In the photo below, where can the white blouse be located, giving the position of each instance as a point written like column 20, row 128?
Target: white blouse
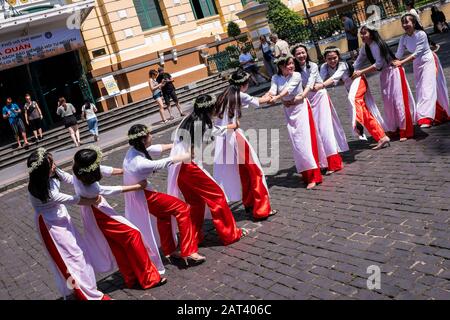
column 380, row 62
column 339, row 73
column 417, row 44
column 248, row 100
column 293, row 84
column 95, row 189
column 54, row 208
column 311, row 75
column 137, row 167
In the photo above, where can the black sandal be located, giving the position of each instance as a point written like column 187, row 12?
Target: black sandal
column 271, row 213
column 161, row 282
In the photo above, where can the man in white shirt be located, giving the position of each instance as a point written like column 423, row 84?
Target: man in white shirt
column 248, row 64
column 281, row 47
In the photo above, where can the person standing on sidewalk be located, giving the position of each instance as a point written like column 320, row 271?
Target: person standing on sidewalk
column 266, row 49
column 11, row 111
column 351, row 33
column 88, row 111
column 156, row 87
column 168, row 90
column 281, row 47
column 33, row 117
column 67, row 111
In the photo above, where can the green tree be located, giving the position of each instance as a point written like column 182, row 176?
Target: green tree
column 233, row 30
column 288, row 24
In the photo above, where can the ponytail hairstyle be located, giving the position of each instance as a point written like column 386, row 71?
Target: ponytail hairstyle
column 86, row 165
column 338, row 52
column 385, row 51
column 413, row 18
column 308, row 59
column 203, row 111
column 230, row 98
column 39, row 165
column 136, row 136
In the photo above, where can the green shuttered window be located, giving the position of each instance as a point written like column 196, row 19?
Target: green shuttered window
column 203, row 8
column 149, row 14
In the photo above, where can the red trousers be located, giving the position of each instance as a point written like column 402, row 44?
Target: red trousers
column 254, row 192
column 440, row 117
column 313, row 175
column 199, row 190
column 163, row 207
column 363, row 115
column 335, row 162
column 129, row 250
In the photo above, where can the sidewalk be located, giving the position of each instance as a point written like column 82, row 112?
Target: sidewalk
column 16, row 175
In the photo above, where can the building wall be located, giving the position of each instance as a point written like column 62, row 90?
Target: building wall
column 113, row 26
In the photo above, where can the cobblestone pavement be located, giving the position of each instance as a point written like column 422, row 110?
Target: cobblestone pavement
column 388, row 208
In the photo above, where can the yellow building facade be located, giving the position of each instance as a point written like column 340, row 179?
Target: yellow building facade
column 111, row 39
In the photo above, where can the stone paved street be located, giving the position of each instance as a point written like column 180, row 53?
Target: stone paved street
column 388, row 208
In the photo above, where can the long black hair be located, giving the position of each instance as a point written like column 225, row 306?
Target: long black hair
column 414, row 20
column 39, row 183
column 138, row 143
column 203, row 112
column 230, row 98
column 338, row 52
column 308, row 59
column 385, row 51
column 87, row 104
column 83, row 159
column 283, row 62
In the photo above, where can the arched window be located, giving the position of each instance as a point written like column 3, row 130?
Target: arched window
column 149, row 14
column 203, row 8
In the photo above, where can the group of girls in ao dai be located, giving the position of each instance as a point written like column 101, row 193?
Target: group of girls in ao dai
column 398, row 100
column 190, row 180
column 328, row 125
column 236, row 165
column 112, row 239
column 306, row 146
column 431, row 86
column 362, row 107
column 143, row 206
column 65, row 247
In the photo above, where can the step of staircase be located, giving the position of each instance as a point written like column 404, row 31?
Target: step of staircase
column 58, row 138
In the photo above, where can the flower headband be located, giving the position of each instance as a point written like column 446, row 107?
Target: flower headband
column 328, row 50
column 370, row 26
column 239, row 81
column 407, row 14
column 96, row 163
column 205, row 104
column 298, row 45
column 283, row 58
column 143, row 133
column 40, row 158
